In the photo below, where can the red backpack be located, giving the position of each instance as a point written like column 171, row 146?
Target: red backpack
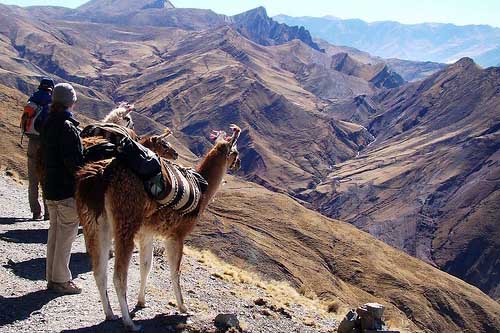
column 30, row 114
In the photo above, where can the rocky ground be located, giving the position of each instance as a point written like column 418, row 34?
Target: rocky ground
column 209, row 288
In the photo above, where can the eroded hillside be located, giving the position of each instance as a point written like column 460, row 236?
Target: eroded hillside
column 429, row 183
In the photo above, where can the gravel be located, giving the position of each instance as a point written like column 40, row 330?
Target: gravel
column 26, row 306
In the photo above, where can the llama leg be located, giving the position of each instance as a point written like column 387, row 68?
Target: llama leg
column 146, row 260
column 99, row 252
column 124, row 247
column 174, row 248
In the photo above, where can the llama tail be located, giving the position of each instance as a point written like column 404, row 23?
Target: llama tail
column 91, row 183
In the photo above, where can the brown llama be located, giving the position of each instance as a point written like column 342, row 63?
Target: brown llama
column 112, row 203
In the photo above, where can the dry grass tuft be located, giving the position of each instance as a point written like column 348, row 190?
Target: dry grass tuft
column 279, row 295
column 333, row 307
column 307, row 292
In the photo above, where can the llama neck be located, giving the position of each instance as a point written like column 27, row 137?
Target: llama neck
column 213, row 169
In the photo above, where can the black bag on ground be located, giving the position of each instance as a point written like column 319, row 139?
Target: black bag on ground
column 141, row 160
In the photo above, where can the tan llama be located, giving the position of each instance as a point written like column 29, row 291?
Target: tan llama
column 112, row 204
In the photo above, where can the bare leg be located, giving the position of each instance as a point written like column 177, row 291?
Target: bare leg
column 174, row 248
column 98, row 244
column 123, row 253
column 146, row 260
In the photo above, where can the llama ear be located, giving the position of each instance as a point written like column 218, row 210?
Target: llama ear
column 236, row 134
column 218, row 136
column 167, row 132
column 214, row 135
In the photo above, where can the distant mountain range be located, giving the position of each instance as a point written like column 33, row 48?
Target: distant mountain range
column 445, row 43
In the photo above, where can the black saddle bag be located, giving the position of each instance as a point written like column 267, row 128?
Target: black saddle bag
column 99, row 152
column 141, row 160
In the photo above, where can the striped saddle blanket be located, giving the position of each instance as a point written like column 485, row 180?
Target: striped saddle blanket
column 177, row 187
column 170, row 184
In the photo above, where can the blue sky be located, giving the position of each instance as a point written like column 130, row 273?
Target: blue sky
column 405, row 11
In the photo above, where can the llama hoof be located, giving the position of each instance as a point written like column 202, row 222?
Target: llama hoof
column 134, row 328
column 183, row 308
column 140, row 305
column 112, row 317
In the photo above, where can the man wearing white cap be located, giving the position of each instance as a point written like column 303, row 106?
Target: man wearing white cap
column 62, row 156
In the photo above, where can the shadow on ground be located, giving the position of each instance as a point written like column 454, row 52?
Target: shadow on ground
column 13, row 220
column 159, row 324
column 21, row 307
column 27, row 236
column 34, row 269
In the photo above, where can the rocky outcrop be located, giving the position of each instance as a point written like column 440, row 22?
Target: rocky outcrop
column 379, row 74
column 387, row 78
column 257, row 26
column 360, row 110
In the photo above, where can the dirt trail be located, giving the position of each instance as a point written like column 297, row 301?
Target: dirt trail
column 25, row 305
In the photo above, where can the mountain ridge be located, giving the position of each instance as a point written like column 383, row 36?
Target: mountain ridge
column 441, row 42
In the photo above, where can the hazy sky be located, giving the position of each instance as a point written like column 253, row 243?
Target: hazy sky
column 405, row 11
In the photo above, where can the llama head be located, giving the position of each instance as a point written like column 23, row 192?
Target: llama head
column 227, row 145
column 121, row 115
column 160, row 146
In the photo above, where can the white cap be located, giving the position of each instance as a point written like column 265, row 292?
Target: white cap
column 64, row 93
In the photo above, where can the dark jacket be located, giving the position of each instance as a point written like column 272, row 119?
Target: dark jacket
column 62, row 155
column 43, row 98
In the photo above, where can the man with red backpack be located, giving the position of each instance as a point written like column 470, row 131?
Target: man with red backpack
column 34, row 115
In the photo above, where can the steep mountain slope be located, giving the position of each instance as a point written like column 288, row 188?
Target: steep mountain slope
column 414, row 70
column 424, row 42
column 13, row 157
column 336, row 260
column 118, row 7
column 429, row 184
column 273, row 235
column 216, row 77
